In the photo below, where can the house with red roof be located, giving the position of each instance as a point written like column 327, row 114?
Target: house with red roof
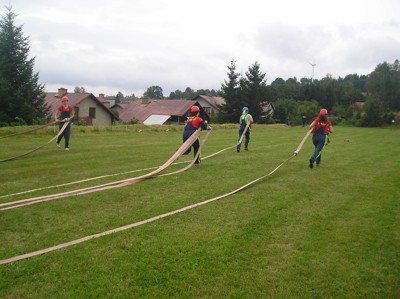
column 86, row 106
column 210, row 104
column 360, row 104
column 157, row 111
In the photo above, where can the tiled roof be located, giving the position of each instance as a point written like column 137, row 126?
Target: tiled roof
column 142, row 109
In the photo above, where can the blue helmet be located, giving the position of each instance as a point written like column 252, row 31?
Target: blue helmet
column 245, row 109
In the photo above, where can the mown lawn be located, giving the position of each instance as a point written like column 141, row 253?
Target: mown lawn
column 331, row 231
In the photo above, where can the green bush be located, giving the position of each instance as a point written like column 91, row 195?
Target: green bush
column 18, row 122
column 39, row 121
column 80, row 122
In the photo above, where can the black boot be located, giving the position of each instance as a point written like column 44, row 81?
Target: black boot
column 311, row 163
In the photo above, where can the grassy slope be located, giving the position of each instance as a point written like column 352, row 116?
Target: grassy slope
column 331, row 231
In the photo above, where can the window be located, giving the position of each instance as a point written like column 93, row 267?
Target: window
column 92, row 112
column 207, row 109
column 76, row 111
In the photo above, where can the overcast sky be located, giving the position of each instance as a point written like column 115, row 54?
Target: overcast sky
column 130, row 45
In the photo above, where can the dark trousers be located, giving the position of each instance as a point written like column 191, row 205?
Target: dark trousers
column 195, row 145
column 246, row 137
column 319, row 141
column 65, row 134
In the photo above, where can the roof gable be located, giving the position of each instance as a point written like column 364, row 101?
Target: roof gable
column 213, row 101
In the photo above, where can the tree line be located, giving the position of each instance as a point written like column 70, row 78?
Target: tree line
column 156, row 92
column 22, row 96
column 364, row 100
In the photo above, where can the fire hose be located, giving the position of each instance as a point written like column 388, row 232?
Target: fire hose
column 39, row 147
column 152, row 219
column 29, row 131
column 105, row 176
column 116, row 184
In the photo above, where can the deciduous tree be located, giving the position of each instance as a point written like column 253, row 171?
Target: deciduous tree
column 384, row 83
column 79, row 89
column 153, row 92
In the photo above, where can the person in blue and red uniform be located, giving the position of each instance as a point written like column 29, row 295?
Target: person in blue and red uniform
column 322, row 127
column 194, row 122
column 64, row 113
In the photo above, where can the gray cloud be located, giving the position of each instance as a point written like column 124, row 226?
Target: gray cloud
column 130, row 45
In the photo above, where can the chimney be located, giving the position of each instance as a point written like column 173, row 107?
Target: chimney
column 62, row 92
column 101, row 95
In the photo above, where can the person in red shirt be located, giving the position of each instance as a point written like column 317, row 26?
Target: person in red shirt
column 194, row 122
column 64, row 113
column 321, row 128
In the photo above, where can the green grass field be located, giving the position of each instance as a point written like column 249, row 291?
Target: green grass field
column 332, row 231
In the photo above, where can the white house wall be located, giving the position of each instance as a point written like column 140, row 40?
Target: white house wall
column 207, row 107
column 103, row 118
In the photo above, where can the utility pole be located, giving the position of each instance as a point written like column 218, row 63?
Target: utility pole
column 312, row 66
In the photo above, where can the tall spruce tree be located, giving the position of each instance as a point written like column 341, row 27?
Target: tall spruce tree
column 21, row 96
column 232, row 109
column 254, row 90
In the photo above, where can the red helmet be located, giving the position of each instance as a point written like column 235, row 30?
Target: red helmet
column 64, row 99
column 323, row 112
column 194, row 109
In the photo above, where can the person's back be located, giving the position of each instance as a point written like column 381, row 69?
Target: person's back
column 242, row 121
column 321, row 127
column 193, row 123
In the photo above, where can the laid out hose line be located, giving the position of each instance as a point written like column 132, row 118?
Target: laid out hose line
column 29, row 131
column 116, row 184
column 34, row 150
column 186, row 167
column 132, row 225
column 28, row 201
column 217, row 153
column 302, row 142
column 193, row 160
column 106, row 176
column 77, row 182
